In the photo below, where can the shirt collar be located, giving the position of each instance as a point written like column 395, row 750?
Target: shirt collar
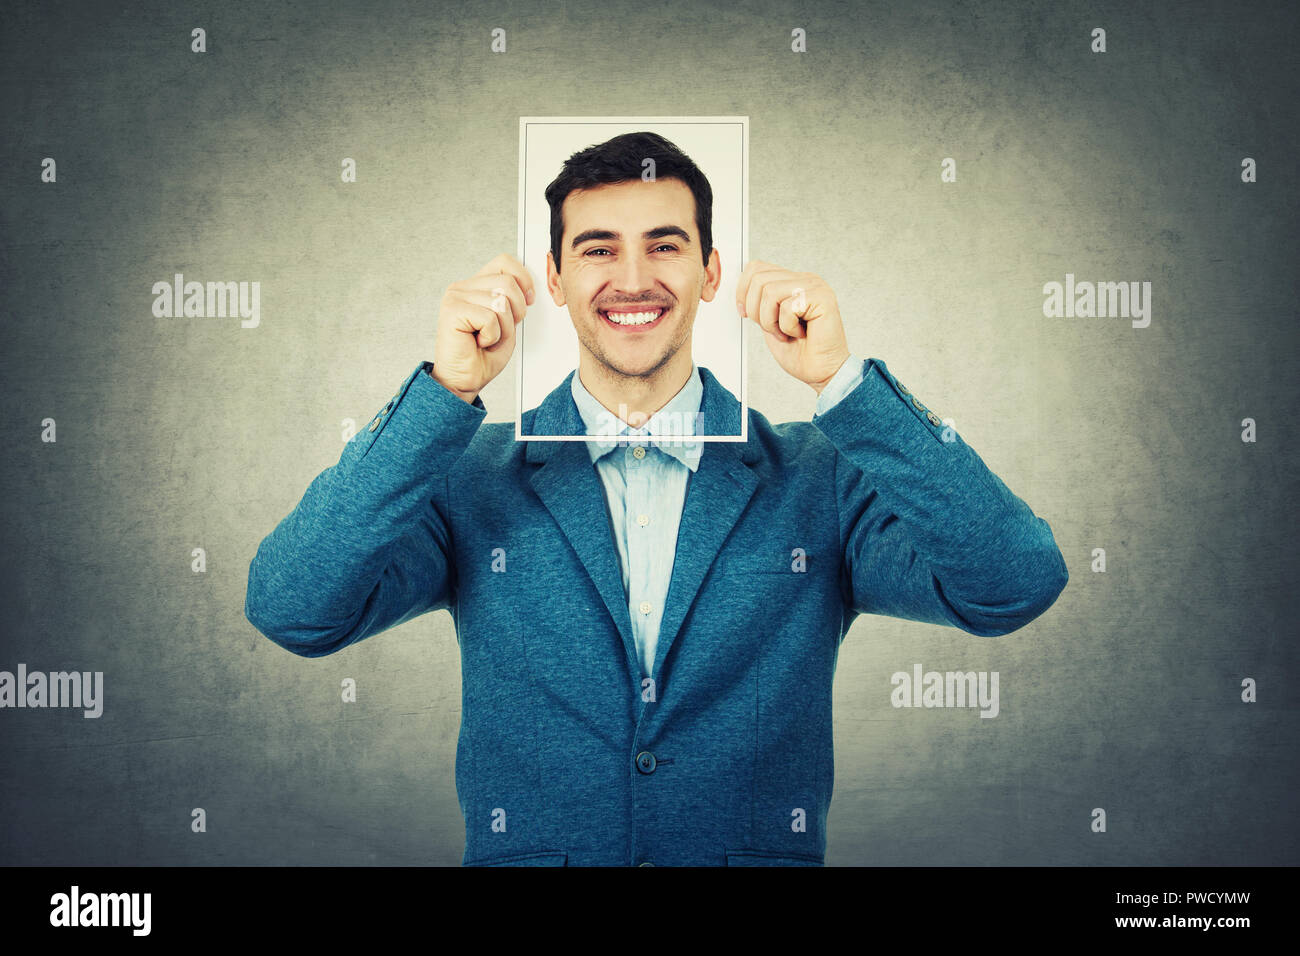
column 677, row 417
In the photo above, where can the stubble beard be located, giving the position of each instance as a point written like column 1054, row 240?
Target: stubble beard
column 614, row 372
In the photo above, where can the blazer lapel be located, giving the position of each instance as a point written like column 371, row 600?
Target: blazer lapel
column 570, row 488
column 716, row 495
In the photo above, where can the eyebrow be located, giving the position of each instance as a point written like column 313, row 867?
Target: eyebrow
column 659, row 232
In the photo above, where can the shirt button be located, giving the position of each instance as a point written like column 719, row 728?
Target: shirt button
column 646, row 863
column 645, row 607
column 645, row 762
column 643, row 520
column 638, row 452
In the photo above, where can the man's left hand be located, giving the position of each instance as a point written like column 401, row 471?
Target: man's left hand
column 800, row 320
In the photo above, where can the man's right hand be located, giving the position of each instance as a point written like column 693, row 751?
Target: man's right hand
column 476, row 326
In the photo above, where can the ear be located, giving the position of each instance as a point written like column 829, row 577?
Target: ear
column 553, row 280
column 712, row 277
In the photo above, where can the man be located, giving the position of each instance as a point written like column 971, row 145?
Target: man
column 682, row 714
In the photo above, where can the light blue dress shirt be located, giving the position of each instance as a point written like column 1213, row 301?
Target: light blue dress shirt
column 645, row 487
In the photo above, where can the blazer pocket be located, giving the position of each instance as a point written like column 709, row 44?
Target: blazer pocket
column 770, row 858
column 540, row 858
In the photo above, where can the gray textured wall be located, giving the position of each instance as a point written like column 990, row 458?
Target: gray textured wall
column 174, row 434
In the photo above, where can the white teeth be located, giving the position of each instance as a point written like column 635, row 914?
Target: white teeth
column 632, row 318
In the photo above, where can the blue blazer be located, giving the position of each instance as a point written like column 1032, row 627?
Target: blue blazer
column 567, row 753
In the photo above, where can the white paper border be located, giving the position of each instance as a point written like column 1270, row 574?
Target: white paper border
column 743, row 121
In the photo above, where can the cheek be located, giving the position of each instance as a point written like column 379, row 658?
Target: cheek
column 687, row 281
column 576, row 273
column 576, row 295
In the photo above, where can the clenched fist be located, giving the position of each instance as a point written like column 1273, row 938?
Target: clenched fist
column 476, row 326
column 800, row 317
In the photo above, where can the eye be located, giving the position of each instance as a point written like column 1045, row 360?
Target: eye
column 666, row 245
column 590, row 251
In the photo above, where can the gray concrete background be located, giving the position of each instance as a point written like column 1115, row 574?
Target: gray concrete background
column 176, row 434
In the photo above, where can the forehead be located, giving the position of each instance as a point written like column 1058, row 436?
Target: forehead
column 630, row 207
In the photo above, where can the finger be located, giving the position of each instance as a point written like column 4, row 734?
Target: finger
column 503, row 307
column 501, row 293
column 788, row 318
column 766, row 292
column 778, row 286
column 778, row 336
column 754, row 294
column 768, row 315
column 742, row 286
column 743, row 281
column 506, row 264
column 507, row 340
column 479, row 321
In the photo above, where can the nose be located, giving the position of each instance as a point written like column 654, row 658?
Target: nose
column 633, row 276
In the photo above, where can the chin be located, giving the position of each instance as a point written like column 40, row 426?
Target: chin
column 634, row 366
column 635, row 371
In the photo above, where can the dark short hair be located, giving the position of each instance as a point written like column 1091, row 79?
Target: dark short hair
column 621, row 160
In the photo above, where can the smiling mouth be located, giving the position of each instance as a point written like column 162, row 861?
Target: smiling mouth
column 625, row 319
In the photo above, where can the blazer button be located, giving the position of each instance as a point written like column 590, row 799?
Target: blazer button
column 917, row 402
column 935, row 420
column 374, row 424
column 646, row 863
column 901, row 387
column 645, row 762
